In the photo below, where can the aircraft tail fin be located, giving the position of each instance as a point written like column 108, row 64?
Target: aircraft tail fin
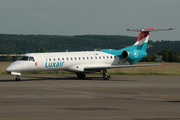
column 142, row 40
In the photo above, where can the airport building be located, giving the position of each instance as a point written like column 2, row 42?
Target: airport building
column 9, row 57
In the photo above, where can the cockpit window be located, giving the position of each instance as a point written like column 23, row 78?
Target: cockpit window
column 24, row 58
column 31, row 59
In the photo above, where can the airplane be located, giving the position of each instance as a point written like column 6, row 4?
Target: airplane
column 85, row 61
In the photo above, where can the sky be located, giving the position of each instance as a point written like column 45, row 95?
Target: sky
column 96, row 17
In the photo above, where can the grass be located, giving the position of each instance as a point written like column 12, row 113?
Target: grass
column 167, row 69
column 3, row 66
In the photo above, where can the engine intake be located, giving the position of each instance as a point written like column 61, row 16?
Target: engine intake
column 133, row 54
column 125, row 54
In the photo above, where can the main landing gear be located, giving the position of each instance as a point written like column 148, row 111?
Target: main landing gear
column 17, row 78
column 106, row 75
column 81, row 75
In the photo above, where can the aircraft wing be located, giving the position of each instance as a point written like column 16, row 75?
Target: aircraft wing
column 117, row 66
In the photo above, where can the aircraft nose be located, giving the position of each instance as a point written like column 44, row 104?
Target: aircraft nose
column 12, row 67
column 9, row 69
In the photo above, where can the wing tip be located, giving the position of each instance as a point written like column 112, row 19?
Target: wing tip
column 162, row 64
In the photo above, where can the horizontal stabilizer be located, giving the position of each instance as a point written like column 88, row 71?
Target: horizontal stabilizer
column 149, row 29
column 142, row 40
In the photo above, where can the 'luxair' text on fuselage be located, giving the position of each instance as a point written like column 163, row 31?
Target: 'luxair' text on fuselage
column 54, row 64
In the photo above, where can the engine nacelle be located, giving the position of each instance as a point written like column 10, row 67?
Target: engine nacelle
column 133, row 54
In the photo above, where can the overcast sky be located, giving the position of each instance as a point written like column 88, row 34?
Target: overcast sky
column 81, row 17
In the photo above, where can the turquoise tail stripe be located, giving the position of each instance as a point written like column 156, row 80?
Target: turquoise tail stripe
column 119, row 52
column 131, row 48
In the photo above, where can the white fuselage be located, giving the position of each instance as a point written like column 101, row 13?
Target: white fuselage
column 69, row 61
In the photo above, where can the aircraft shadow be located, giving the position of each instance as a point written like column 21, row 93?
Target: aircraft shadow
column 94, row 78
column 40, row 78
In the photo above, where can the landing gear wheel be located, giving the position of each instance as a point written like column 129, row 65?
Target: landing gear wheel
column 81, row 75
column 17, row 78
column 106, row 75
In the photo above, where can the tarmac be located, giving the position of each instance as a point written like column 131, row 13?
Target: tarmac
column 62, row 97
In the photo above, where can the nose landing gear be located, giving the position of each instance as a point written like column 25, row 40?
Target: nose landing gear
column 17, row 78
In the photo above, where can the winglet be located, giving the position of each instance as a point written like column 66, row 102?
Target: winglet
column 162, row 64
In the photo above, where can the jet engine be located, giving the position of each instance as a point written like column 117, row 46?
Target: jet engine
column 133, row 54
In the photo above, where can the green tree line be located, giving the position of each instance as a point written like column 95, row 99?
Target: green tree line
column 30, row 43
column 164, row 56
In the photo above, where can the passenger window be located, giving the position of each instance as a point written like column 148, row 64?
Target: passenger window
column 111, row 57
column 107, row 57
column 115, row 57
column 95, row 57
column 58, row 59
column 49, row 59
column 79, row 58
column 103, row 57
column 63, row 59
column 54, row 59
column 75, row 58
column 67, row 59
column 87, row 58
column 71, row 58
column 83, row 58
column 91, row 57
column 99, row 57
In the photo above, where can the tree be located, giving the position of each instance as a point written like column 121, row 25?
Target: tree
column 154, row 57
column 41, row 50
column 7, row 58
column 170, row 56
column 98, row 49
column 174, row 57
